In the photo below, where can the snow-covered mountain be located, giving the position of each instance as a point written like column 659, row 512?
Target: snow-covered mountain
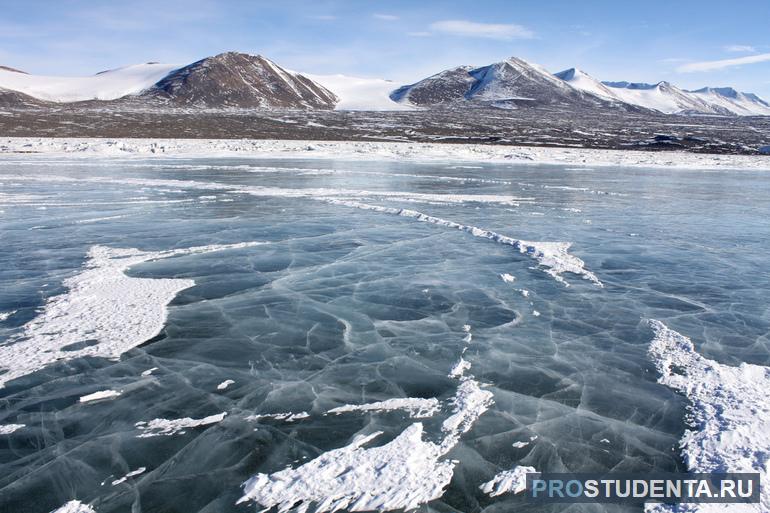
column 107, row 85
column 240, row 80
column 667, row 98
column 512, row 82
column 742, row 104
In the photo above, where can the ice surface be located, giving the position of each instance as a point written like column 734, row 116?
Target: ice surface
column 509, row 481
column 402, row 474
column 103, row 305
column 353, row 306
column 729, row 412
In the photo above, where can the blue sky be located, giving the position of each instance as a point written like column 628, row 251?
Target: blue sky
column 690, row 43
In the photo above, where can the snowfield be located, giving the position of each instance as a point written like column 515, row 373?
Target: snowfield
column 107, row 85
column 356, row 150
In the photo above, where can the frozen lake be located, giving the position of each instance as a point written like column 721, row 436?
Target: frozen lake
column 314, row 285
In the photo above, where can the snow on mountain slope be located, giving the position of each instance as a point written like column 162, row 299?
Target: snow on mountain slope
column 742, row 104
column 509, row 83
column 663, row 97
column 579, row 79
column 357, row 93
column 107, row 85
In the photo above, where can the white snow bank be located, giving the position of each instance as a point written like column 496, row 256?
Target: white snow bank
column 168, row 427
column 74, row 506
column 366, row 150
column 416, row 407
column 102, row 394
column 107, row 85
column 729, row 414
column 402, row 474
column 357, row 93
column 509, row 481
column 103, row 314
column 7, row 429
column 133, row 473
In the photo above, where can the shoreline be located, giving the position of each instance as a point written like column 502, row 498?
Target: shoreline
column 83, row 147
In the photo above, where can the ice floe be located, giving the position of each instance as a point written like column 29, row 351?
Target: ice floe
column 416, row 407
column 104, row 312
column 7, row 429
column 729, row 414
column 167, row 427
column 509, row 481
column 74, row 506
column 100, row 395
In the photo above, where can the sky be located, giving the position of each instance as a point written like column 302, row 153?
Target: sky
column 689, row 43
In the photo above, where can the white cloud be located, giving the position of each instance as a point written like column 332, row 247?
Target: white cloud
column 419, row 34
column 385, row 17
column 724, row 63
column 484, row 30
column 740, row 49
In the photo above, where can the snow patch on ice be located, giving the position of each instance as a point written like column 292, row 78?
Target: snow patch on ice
column 226, row 383
column 509, row 481
column 285, row 417
column 168, row 427
column 103, row 314
column 507, row 278
column 133, row 473
column 98, row 396
column 416, row 407
column 5, row 315
column 729, row 413
column 74, row 506
column 402, row 474
column 7, row 429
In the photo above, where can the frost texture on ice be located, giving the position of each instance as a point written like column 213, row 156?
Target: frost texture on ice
column 103, row 309
column 509, row 481
column 74, row 506
column 7, row 429
column 416, row 407
column 729, row 415
column 102, row 394
column 168, row 427
column 402, row 474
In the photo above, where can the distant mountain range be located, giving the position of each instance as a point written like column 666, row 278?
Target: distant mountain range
column 242, row 81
